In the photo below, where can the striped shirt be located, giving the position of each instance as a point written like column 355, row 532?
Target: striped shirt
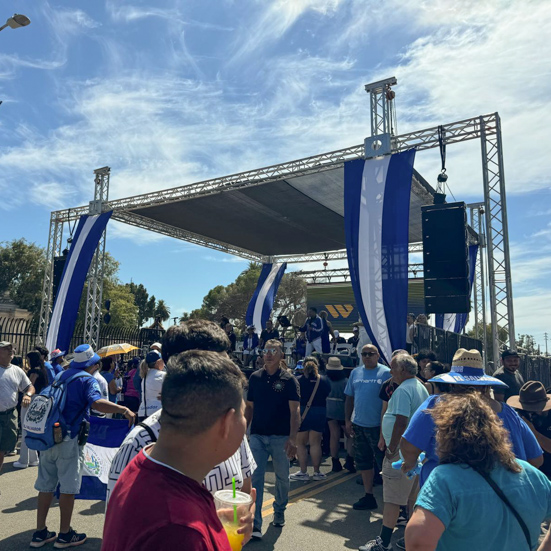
column 240, row 465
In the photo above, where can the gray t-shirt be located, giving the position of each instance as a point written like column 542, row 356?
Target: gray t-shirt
column 335, row 400
column 12, row 381
column 513, row 380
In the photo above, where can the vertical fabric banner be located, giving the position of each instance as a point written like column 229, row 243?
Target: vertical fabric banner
column 65, row 312
column 457, row 322
column 376, row 216
column 260, row 307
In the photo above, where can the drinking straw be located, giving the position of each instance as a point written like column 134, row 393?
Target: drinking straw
column 234, row 505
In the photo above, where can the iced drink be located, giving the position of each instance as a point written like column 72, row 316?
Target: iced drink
column 225, row 506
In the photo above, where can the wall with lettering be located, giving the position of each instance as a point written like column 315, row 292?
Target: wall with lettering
column 338, row 301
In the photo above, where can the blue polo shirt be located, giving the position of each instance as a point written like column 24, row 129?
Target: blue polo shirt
column 82, row 392
column 364, row 386
column 421, row 432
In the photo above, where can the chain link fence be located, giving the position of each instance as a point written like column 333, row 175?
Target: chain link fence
column 23, row 334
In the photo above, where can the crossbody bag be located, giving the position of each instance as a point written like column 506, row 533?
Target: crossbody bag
column 309, row 404
column 503, row 497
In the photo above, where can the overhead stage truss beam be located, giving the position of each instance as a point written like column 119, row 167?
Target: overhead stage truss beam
column 342, row 275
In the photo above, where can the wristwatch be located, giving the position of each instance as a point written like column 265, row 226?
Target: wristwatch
column 28, row 394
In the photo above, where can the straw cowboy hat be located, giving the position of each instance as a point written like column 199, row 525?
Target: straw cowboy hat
column 334, row 364
column 532, row 397
column 467, row 369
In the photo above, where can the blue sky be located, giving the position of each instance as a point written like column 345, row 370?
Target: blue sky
column 169, row 92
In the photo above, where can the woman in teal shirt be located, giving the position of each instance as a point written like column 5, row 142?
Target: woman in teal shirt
column 457, row 508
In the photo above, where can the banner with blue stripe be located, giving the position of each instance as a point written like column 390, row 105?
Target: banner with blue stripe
column 260, row 306
column 65, row 311
column 456, row 322
column 376, row 216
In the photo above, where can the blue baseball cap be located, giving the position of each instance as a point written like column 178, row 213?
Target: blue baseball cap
column 152, row 356
column 83, row 357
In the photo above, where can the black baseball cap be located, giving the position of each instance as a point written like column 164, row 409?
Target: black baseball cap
column 507, row 353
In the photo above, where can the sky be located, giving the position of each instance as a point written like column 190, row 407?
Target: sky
column 171, row 92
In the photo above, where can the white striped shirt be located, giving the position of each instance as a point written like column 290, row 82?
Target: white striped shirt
column 240, row 465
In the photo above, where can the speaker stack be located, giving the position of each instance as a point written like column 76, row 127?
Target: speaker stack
column 446, row 258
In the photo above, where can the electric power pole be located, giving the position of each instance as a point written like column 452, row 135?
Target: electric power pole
column 546, row 338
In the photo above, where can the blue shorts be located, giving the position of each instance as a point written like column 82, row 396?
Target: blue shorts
column 314, row 420
column 62, row 463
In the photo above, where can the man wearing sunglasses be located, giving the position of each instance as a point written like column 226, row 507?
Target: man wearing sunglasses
column 273, row 412
column 363, row 419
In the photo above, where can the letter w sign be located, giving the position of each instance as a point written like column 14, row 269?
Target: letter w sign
column 337, row 310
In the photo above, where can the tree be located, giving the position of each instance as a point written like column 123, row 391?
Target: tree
column 231, row 301
column 503, row 337
column 124, row 312
column 22, row 273
column 146, row 308
column 162, row 311
column 527, row 344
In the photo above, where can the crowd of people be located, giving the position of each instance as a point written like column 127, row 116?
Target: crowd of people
column 463, row 457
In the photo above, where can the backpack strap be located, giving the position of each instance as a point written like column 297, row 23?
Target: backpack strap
column 149, row 431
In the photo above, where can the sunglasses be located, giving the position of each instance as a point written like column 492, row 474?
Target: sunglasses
column 270, row 350
column 369, row 353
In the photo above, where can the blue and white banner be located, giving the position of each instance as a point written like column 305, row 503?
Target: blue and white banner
column 65, row 312
column 456, row 322
column 376, row 216
column 261, row 304
column 104, row 440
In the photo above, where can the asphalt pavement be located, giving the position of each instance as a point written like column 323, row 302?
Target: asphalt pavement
column 319, row 515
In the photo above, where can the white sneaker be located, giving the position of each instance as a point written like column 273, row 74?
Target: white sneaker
column 34, row 463
column 257, row 534
column 299, row 475
column 18, row 465
column 319, row 476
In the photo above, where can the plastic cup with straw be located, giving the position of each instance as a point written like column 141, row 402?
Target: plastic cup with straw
column 230, row 505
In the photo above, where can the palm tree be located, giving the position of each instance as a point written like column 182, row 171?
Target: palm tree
column 162, row 311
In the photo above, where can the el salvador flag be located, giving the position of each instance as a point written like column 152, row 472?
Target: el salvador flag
column 104, row 441
column 456, row 322
column 376, row 216
column 260, row 306
column 65, row 312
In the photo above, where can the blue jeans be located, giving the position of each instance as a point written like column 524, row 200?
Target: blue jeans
column 262, row 447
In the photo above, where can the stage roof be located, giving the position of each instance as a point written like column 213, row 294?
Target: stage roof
column 294, row 215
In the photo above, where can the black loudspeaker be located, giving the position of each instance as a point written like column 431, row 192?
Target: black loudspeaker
column 446, row 259
column 59, row 264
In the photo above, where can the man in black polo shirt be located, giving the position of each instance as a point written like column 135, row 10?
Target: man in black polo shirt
column 509, row 374
column 273, row 411
column 268, row 334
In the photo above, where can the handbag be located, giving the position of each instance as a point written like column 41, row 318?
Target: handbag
column 309, row 404
column 503, row 497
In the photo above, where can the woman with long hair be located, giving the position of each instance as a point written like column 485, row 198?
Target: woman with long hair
column 459, row 506
column 107, row 367
column 152, row 372
column 38, row 375
column 433, row 369
column 314, row 389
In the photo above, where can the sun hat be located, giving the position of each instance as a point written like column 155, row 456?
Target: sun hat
column 334, row 364
column 152, row 357
column 84, row 356
column 532, row 397
column 467, row 369
column 56, row 354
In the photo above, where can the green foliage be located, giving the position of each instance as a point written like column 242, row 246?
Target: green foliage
column 146, row 307
column 503, row 337
column 162, row 311
column 232, row 300
column 22, row 273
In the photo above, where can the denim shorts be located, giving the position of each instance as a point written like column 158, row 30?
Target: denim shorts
column 61, row 463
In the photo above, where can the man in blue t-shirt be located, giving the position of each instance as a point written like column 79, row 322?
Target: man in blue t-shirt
column 62, row 463
column 467, row 371
column 363, row 419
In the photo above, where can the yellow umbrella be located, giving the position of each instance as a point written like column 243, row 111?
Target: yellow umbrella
column 113, row 349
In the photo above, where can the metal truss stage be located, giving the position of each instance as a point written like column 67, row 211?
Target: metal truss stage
column 294, row 212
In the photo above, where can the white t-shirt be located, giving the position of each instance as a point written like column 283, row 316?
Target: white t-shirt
column 151, row 391
column 240, row 465
column 13, row 380
column 104, row 389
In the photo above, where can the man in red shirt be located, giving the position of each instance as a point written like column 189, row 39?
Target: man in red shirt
column 158, row 501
